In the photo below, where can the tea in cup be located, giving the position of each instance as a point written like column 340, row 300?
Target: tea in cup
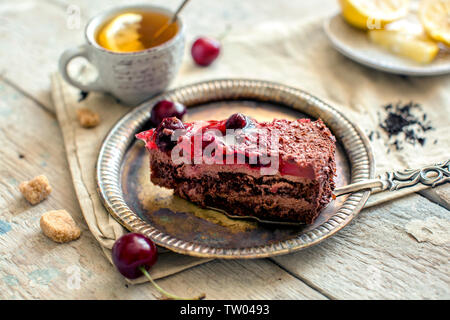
column 132, row 64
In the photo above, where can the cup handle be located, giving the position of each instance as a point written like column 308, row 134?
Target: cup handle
column 64, row 60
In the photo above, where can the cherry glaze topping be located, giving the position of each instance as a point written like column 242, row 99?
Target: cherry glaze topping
column 160, row 138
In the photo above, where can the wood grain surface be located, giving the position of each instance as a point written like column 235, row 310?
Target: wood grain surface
column 382, row 254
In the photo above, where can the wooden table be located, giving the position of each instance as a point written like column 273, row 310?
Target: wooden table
column 374, row 257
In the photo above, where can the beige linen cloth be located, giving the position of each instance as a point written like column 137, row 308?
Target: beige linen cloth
column 297, row 55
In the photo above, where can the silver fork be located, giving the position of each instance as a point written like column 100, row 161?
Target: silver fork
column 429, row 175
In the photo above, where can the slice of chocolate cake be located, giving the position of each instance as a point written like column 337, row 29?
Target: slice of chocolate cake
column 281, row 170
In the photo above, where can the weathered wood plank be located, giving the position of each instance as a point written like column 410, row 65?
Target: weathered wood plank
column 34, row 34
column 439, row 195
column 240, row 279
column 32, row 266
column 378, row 256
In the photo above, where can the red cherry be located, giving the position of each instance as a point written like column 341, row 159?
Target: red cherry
column 236, row 121
column 133, row 254
column 166, row 109
column 165, row 131
column 205, row 50
column 133, row 251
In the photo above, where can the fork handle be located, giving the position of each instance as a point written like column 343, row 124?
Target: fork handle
column 429, row 175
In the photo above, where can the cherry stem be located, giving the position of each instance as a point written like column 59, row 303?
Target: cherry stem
column 164, row 292
column 224, row 33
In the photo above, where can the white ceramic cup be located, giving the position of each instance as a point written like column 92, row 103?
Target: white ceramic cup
column 131, row 77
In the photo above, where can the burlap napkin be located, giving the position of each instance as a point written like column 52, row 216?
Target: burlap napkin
column 298, row 55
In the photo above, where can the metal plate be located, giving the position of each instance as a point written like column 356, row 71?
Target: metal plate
column 127, row 193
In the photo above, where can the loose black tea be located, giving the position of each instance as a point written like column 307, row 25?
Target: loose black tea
column 403, row 123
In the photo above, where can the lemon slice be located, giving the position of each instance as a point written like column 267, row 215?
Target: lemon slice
column 373, row 14
column 121, row 34
column 415, row 46
column 435, row 17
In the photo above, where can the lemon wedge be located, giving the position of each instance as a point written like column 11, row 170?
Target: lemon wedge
column 435, row 17
column 373, row 14
column 413, row 45
column 121, row 34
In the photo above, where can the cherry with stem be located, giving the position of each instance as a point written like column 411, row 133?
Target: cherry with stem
column 133, row 254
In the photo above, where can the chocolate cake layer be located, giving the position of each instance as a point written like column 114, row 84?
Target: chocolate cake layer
column 240, row 193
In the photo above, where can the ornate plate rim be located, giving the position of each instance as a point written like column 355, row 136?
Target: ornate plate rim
column 120, row 137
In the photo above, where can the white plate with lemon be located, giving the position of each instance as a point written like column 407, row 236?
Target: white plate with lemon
column 396, row 36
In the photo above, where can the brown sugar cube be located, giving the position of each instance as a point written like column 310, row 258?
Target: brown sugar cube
column 59, row 226
column 36, row 189
column 88, row 118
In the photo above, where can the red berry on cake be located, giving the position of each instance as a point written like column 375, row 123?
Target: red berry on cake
column 236, row 121
column 165, row 131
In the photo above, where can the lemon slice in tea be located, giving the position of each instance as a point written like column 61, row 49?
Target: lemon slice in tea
column 122, row 34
